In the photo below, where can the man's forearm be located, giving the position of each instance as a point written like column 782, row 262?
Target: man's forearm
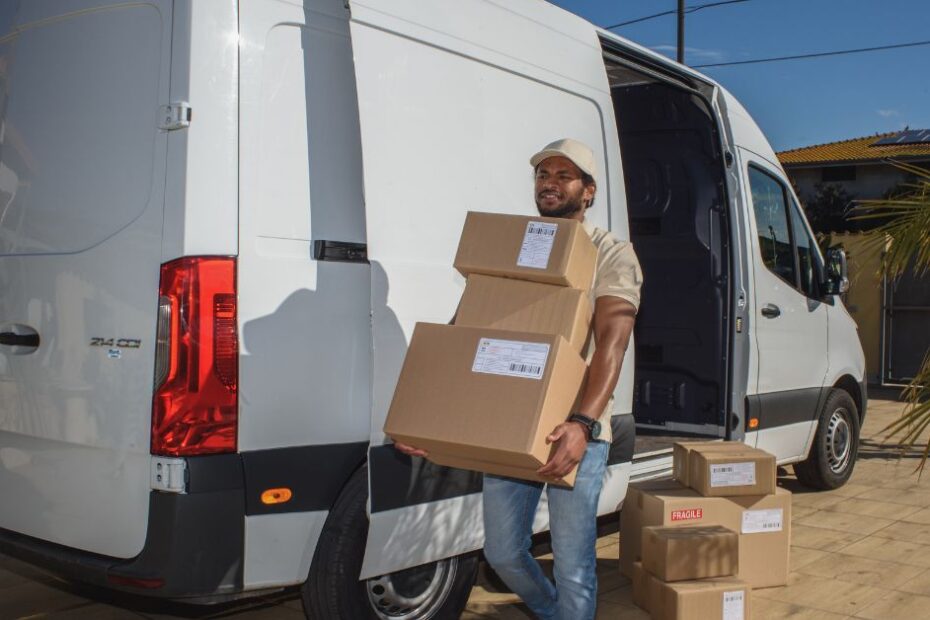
column 613, row 328
column 601, row 381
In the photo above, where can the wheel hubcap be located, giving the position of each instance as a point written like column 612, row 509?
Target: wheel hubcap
column 413, row 593
column 839, row 441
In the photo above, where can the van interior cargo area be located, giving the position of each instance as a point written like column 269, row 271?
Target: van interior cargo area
column 675, row 186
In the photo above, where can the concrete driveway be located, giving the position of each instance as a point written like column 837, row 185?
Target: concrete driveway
column 862, row 551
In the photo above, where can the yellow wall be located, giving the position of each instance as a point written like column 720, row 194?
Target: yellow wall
column 864, row 299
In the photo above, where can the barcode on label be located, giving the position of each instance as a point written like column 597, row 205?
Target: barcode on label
column 537, row 245
column 758, row 521
column 535, row 228
column 511, row 358
column 732, row 474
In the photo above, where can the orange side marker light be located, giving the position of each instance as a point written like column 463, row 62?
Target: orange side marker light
column 276, row 496
column 753, row 423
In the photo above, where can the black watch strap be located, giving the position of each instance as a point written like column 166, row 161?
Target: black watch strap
column 586, row 421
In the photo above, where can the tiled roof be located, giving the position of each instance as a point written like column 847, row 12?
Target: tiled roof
column 857, row 149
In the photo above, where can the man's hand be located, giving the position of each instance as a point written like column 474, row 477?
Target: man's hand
column 409, row 450
column 571, row 441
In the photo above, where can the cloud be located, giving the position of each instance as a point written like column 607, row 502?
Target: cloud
column 887, row 113
column 692, row 54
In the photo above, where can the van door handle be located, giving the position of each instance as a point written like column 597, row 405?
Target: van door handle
column 771, row 311
column 26, row 337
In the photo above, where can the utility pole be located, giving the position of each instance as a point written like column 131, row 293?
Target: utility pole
column 681, row 31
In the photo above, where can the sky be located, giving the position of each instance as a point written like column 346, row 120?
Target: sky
column 797, row 102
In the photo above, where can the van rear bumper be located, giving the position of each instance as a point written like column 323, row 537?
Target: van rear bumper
column 193, row 546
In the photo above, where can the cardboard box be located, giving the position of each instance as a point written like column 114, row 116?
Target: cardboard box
column 541, row 249
column 724, row 598
column 641, row 583
column 713, row 472
column 763, row 523
column 485, row 397
column 503, row 303
column 682, row 449
column 687, row 553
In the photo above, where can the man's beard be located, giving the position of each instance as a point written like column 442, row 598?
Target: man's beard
column 570, row 207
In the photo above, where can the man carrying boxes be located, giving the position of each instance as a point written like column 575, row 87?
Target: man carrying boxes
column 548, row 412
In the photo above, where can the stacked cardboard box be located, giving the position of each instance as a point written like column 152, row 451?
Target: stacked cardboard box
column 729, row 485
column 723, row 598
column 484, row 393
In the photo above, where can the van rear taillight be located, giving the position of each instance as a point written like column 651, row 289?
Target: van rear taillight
column 195, row 408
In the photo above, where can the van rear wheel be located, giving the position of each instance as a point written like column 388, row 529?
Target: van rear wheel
column 836, row 444
column 434, row 591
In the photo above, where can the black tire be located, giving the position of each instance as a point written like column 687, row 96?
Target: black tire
column 435, row 591
column 836, row 444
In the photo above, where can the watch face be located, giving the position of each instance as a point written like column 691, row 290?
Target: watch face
column 595, row 430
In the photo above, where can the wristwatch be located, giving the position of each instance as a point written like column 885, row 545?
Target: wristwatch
column 593, row 426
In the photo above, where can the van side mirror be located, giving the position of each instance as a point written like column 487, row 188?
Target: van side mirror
column 837, row 272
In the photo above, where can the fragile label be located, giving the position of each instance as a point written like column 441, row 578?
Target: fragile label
column 734, row 604
column 755, row 521
column 688, row 514
column 511, row 358
column 537, row 245
column 732, row 474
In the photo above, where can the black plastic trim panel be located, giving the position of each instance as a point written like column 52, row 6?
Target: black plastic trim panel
column 783, row 408
column 398, row 481
column 314, row 474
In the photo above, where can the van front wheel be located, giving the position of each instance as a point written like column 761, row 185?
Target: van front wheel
column 434, row 591
column 836, row 444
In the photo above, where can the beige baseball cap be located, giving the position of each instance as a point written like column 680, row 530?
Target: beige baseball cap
column 577, row 152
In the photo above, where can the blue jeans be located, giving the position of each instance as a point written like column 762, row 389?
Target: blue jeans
column 509, row 507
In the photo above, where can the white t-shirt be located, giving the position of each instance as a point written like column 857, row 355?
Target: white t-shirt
column 617, row 274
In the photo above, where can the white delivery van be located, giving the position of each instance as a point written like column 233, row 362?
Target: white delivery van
column 220, row 220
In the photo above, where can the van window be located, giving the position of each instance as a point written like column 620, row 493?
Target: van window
column 808, row 259
column 770, row 205
column 78, row 126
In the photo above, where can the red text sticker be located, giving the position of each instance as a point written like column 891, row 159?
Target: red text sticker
column 689, row 514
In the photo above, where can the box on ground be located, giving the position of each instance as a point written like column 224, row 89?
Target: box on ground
column 640, row 586
column 763, row 523
column 692, row 552
column 682, row 449
column 484, row 396
column 726, row 598
column 503, row 303
column 541, row 249
column 713, row 472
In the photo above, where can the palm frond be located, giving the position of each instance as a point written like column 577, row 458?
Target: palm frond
column 915, row 419
column 906, row 218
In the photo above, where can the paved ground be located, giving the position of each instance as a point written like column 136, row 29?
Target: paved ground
column 862, row 551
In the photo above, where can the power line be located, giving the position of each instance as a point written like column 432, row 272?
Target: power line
column 815, row 55
column 690, row 9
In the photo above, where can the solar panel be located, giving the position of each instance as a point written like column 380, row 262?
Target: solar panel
column 908, row 136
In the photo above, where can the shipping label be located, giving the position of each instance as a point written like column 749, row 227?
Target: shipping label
column 734, row 604
column 755, row 521
column 511, row 358
column 537, row 245
column 688, row 514
column 732, row 474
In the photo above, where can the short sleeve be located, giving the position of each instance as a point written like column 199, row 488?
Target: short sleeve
column 618, row 272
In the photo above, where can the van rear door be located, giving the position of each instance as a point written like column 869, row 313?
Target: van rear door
column 82, row 177
column 451, row 106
